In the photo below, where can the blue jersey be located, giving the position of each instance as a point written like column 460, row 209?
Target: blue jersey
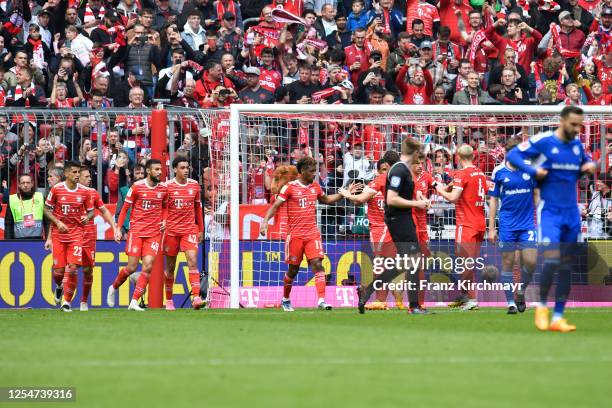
column 514, row 188
column 563, row 161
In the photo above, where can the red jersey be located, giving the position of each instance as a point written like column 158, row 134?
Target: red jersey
column 374, row 141
column 449, row 19
column 147, row 203
column 256, row 188
column 91, row 232
column 423, row 11
column 470, row 208
column 376, row 204
column 422, row 183
column 270, row 79
column 353, row 55
column 131, row 122
column 301, row 208
column 605, row 76
column 68, row 207
column 183, row 201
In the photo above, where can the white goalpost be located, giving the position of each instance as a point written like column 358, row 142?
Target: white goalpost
column 246, row 269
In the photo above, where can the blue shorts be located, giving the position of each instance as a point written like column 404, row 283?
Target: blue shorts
column 513, row 240
column 559, row 225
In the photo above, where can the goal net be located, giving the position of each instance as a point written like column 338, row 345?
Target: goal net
column 250, row 145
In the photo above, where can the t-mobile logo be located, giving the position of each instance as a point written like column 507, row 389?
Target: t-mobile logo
column 250, row 296
column 345, row 295
column 65, row 208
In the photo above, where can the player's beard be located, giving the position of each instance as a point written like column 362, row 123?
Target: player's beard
column 568, row 134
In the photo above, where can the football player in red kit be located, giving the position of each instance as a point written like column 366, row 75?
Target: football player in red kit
column 469, row 193
column 89, row 241
column 304, row 237
column 184, row 229
column 68, row 206
column 147, row 198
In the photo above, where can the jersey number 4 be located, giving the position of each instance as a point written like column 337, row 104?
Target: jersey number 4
column 481, row 191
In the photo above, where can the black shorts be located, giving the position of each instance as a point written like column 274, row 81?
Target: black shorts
column 403, row 232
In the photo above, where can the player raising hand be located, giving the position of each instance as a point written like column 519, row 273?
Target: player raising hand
column 303, row 237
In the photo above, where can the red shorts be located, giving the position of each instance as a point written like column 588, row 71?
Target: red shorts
column 187, row 242
column 423, row 238
column 296, row 248
column 468, row 241
column 141, row 247
column 67, row 253
column 89, row 253
column 382, row 243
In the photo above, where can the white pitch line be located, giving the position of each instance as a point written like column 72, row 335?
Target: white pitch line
column 323, row 362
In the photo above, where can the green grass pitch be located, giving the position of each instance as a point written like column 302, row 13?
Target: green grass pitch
column 309, row 358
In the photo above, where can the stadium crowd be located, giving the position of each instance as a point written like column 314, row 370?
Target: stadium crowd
column 99, row 54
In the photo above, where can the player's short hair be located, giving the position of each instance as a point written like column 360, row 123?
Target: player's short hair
column 421, row 157
column 410, row 146
column 465, row 152
column 84, row 168
column 417, row 21
column 68, row 164
column 512, row 143
column 151, row 162
column 380, row 162
column 179, row 159
column 305, row 162
column 391, row 157
column 571, row 109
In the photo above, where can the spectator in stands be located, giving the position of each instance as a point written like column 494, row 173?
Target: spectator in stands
column 25, row 92
column 193, row 32
column 513, row 94
column 355, row 165
column 253, row 92
column 141, row 53
column 415, row 84
column 24, row 215
column 118, row 176
column 472, row 94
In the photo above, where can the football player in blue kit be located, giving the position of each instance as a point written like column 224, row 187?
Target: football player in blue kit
column 514, row 190
column 557, row 160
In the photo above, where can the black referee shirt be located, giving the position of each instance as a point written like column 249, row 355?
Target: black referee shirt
column 399, row 179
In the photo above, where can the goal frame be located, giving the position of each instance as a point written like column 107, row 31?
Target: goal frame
column 234, row 134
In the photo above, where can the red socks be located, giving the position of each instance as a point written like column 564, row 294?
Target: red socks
column 122, row 277
column 287, row 287
column 320, row 284
column 70, row 282
column 58, row 276
column 194, row 281
column 169, row 285
column 87, row 282
column 141, row 286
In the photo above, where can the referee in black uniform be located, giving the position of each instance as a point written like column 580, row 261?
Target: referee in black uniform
column 399, row 201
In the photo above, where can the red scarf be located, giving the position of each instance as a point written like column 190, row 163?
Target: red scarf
column 116, row 33
column 478, row 38
column 38, row 54
column 89, row 15
column 221, row 9
column 19, row 93
column 387, row 19
column 556, row 32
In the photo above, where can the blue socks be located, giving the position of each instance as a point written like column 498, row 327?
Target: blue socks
column 526, row 277
column 546, row 278
column 506, row 278
column 564, row 277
